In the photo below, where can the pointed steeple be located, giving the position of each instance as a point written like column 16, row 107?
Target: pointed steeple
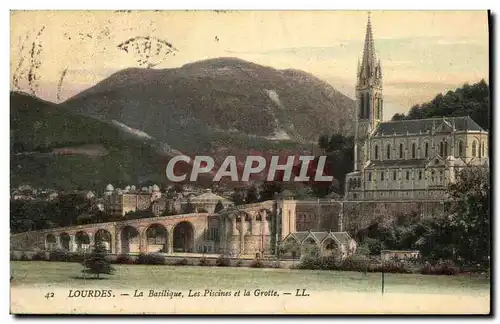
column 369, row 64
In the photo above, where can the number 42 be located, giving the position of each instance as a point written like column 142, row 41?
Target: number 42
column 49, row 295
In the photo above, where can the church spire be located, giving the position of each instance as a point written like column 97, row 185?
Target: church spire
column 369, row 61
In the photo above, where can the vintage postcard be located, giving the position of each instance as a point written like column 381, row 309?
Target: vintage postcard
column 249, row 162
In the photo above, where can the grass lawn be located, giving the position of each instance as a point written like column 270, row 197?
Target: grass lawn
column 61, row 275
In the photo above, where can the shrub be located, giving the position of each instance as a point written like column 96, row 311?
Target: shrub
column 24, row 257
column 355, row 263
column 256, row 264
column 39, row 256
column 238, row 263
column 275, row 264
column 328, row 263
column 391, row 267
column 58, row 256
column 124, row 259
column 446, row 267
column 182, row 262
column 204, row 262
column 152, row 258
column 76, row 257
column 222, row 261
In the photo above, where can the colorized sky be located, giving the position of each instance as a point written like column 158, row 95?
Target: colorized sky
column 422, row 52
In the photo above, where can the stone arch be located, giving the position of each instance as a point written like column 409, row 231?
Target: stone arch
column 263, row 217
column 65, row 241
column 388, row 151
column 309, row 240
column 474, row 148
column 104, row 236
column 156, row 238
column 310, row 247
column 50, row 242
column 82, row 240
column 243, row 220
column 130, row 239
column 460, row 152
column 183, row 237
column 330, row 246
column 291, row 247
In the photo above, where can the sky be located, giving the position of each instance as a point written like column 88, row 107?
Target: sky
column 57, row 54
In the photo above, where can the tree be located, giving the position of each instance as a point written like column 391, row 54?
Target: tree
column 218, row 207
column 471, row 214
column 189, row 207
column 469, row 100
column 269, row 189
column 238, row 197
column 97, row 263
column 339, row 152
column 252, row 195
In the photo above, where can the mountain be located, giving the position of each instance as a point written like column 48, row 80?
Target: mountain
column 125, row 129
column 52, row 147
column 206, row 105
column 468, row 100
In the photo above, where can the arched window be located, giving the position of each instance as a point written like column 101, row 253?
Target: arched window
column 362, row 106
column 480, row 149
column 426, row 150
column 413, row 151
column 441, row 148
column 376, row 152
column 388, row 152
column 379, row 108
column 367, row 106
column 401, row 150
column 474, row 148
column 460, row 149
column 445, row 148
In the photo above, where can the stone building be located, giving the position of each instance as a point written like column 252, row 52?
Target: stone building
column 406, row 159
column 118, row 202
column 206, row 202
column 327, row 243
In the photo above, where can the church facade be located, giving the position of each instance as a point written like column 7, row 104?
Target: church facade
column 406, row 159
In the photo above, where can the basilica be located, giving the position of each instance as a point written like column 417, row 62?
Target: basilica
column 406, row 159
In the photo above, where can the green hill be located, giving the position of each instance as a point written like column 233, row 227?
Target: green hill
column 468, row 100
column 52, row 147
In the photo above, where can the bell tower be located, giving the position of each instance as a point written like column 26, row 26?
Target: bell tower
column 369, row 98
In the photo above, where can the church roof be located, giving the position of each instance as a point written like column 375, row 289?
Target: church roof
column 341, row 237
column 430, row 125
column 320, row 236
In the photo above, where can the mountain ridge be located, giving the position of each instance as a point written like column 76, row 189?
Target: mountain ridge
column 224, row 93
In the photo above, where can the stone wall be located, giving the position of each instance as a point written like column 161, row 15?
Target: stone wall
column 242, row 230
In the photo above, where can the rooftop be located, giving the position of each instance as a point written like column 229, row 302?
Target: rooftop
column 430, row 125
